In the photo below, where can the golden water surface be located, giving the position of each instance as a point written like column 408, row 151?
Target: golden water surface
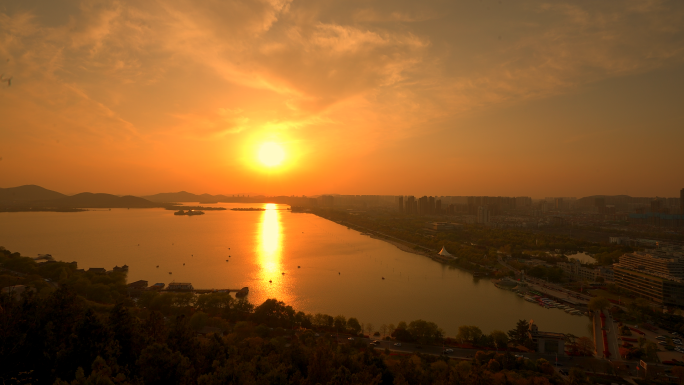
column 327, row 267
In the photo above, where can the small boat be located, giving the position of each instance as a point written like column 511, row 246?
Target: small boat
column 229, row 256
column 157, row 266
column 283, row 273
column 338, row 273
column 299, row 267
column 227, row 260
column 170, row 272
column 383, row 278
column 183, row 264
column 270, row 281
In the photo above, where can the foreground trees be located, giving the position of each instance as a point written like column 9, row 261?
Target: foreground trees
column 65, row 340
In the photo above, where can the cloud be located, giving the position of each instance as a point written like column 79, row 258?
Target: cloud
column 135, row 70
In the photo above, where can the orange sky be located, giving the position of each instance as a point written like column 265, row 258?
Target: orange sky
column 366, row 97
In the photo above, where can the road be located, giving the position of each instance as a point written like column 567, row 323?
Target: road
column 468, row 354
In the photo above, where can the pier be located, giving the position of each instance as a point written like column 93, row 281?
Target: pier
column 207, row 291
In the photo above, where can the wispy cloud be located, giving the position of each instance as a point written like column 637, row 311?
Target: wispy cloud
column 127, row 71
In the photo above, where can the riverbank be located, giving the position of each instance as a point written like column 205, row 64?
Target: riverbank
column 401, row 246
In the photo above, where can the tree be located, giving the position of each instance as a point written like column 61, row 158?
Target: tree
column 160, row 365
column 303, row 319
column 89, row 341
column 319, row 319
column 274, row 313
column 100, row 374
column 651, row 351
column 598, row 303
column 354, row 325
column 340, row 322
column 520, row 335
column 403, row 335
column 198, row 320
column 424, row 331
column 499, row 338
column 154, row 328
column 383, row 329
column 468, row 333
column 214, row 303
column 369, row 328
column 125, row 330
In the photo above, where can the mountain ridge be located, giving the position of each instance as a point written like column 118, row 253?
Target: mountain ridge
column 35, row 196
column 28, row 193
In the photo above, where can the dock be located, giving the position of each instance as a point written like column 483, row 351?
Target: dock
column 207, row 291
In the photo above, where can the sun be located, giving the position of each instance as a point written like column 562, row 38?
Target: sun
column 271, row 154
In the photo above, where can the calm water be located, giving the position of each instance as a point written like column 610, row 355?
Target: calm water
column 582, row 257
column 341, row 271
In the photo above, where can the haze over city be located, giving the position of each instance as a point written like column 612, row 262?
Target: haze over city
column 464, row 98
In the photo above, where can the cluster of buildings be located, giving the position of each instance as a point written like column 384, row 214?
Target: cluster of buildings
column 578, row 272
column 596, row 210
column 450, row 205
column 657, row 275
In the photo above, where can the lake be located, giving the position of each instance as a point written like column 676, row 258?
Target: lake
column 341, row 270
column 582, row 257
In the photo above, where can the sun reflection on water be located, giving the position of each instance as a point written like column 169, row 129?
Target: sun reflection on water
column 270, row 248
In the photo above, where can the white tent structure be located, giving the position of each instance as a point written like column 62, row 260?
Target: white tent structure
column 444, row 252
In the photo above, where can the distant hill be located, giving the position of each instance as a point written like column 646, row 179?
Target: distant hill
column 38, row 197
column 90, row 200
column 28, row 193
column 184, row 196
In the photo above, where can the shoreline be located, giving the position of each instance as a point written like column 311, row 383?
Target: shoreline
column 400, row 246
column 434, row 256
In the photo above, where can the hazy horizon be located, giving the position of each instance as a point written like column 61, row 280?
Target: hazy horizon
column 253, row 194
column 283, row 97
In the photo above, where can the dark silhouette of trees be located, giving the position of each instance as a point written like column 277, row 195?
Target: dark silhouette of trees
column 60, row 337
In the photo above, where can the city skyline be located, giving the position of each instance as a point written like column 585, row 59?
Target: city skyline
column 490, row 98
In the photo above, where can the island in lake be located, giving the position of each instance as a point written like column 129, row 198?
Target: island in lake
column 189, row 212
column 248, row 209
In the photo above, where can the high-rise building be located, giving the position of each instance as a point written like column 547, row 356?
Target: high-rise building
column 656, row 275
column 655, row 205
column 483, row 214
column 559, row 204
column 410, row 205
column 438, row 206
column 423, row 205
column 400, row 204
column 431, row 205
column 327, row 201
column 681, row 201
column 521, row 202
